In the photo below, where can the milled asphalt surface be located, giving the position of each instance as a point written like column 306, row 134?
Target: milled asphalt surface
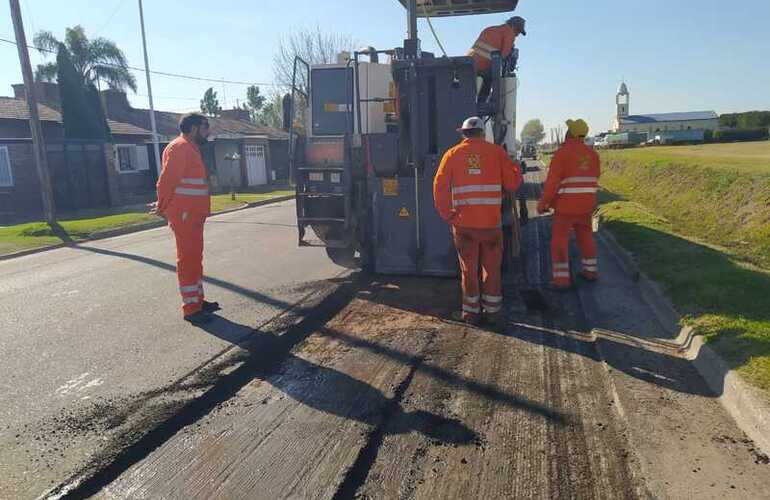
column 367, row 389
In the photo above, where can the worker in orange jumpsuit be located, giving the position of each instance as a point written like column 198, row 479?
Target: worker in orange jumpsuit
column 468, row 192
column 183, row 199
column 570, row 190
column 495, row 38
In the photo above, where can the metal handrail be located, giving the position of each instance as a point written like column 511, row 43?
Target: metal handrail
column 295, row 90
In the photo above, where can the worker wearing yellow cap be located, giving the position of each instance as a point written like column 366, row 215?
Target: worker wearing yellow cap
column 570, row 190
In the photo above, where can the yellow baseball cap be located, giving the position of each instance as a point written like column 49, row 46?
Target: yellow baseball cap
column 577, row 128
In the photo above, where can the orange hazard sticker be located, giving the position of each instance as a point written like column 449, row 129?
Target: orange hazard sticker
column 473, row 162
column 404, row 213
column 390, row 187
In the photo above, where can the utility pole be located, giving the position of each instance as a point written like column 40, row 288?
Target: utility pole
column 155, row 146
column 38, row 141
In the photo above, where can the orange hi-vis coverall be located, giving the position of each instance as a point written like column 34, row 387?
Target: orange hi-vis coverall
column 467, row 191
column 570, row 189
column 494, row 38
column 183, row 198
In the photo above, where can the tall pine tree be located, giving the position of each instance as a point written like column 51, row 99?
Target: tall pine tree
column 82, row 111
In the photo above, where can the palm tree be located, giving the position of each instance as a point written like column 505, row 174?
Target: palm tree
column 97, row 60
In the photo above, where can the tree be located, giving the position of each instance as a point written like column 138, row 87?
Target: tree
column 314, row 47
column 272, row 113
column 749, row 119
column 210, row 103
column 254, row 102
column 95, row 61
column 82, row 113
column 533, row 131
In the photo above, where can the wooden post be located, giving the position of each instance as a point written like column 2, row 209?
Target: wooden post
column 38, row 141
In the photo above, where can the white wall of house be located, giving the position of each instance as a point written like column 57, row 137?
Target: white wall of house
column 670, row 126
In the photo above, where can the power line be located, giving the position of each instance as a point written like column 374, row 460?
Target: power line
column 109, row 19
column 165, row 73
column 31, row 16
column 170, row 97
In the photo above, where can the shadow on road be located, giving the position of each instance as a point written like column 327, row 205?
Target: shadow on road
column 653, row 367
column 267, row 355
column 245, row 292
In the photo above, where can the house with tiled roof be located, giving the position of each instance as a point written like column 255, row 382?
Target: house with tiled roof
column 14, row 122
column 78, row 169
column 263, row 151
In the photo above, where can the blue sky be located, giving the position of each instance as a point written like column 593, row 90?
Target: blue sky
column 675, row 55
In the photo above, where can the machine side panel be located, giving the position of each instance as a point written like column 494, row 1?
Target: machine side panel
column 439, row 257
column 453, row 103
column 394, row 225
column 330, row 101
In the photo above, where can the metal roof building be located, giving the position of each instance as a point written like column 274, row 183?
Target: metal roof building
column 670, row 117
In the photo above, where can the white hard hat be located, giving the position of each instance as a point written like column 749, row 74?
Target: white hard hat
column 474, row 122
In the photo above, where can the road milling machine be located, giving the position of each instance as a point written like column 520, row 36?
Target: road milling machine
column 376, row 126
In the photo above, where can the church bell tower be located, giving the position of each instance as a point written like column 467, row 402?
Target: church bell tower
column 622, row 100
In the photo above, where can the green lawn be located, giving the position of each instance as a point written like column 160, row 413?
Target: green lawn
column 724, row 200
column 83, row 225
column 222, row 202
column 39, row 234
column 747, row 157
column 697, row 219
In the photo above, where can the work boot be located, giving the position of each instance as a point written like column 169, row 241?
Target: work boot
column 496, row 320
column 198, row 318
column 471, row 319
column 210, row 307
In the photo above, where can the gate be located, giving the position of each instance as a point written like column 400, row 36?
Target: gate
column 256, row 169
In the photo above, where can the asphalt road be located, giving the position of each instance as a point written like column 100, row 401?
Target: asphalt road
column 93, row 347
column 318, row 383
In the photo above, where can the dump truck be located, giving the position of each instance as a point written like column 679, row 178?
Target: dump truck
column 376, row 125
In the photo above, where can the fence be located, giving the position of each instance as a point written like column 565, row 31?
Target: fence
column 78, row 171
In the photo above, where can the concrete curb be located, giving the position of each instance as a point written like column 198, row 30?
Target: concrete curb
column 747, row 405
column 111, row 233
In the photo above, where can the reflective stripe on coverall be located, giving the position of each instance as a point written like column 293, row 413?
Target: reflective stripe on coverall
column 570, row 189
column 467, row 193
column 183, row 198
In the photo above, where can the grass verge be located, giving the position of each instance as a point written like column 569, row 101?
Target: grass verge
column 723, row 296
column 79, row 227
column 746, row 157
column 701, row 230
column 222, row 202
column 716, row 199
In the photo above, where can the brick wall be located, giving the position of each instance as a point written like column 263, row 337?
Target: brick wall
column 24, row 197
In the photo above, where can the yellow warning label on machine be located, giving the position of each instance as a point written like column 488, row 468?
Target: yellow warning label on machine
column 390, row 187
column 403, row 212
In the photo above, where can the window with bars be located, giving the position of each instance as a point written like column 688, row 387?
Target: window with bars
column 131, row 158
column 6, row 173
